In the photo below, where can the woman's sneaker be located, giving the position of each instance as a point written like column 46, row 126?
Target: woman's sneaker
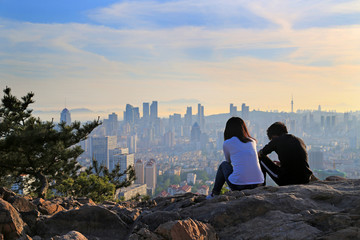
column 210, row 196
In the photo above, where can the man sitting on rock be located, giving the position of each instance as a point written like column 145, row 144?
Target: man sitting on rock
column 292, row 167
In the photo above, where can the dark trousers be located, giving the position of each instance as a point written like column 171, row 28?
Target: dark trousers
column 269, row 167
column 280, row 176
column 222, row 176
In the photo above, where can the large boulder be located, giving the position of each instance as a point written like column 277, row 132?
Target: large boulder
column 319, row 210
column 73, row 235
column 22, row 204
column 6, row 194
column 47, row 207
column 154, row 219
column 188, row 229
column 11, row 224
column 92, row 221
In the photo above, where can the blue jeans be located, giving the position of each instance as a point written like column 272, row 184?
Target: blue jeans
column 222, row 176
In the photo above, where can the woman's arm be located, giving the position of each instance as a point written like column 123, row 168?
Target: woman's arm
column 226, row 152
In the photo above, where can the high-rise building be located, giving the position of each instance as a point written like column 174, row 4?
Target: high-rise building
column 245, row 111
column 150, row 175
column 188, row 116
column 316, row 159
column 233, row 110
column 195, row 132
column 201, row 116
column 129, row 114
column 112, row 125
column 136, row 114
column 131, row 143
column 101, row 148
column 187, row 122
column 169, row 139
column 139, row 172
column 124, row 159
column 65, row 116
column 146, row 111
column 154, row 111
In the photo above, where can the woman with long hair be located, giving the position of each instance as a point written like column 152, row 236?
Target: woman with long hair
column 241, row 168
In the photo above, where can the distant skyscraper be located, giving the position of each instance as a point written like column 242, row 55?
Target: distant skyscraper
column 124, row 159
column 201, row 116
column 136, row 114
column 316, row 159
column 131, row 143
column 188, row 116
column 139, row 172
column 101, row 148
column 292, row 104
column 150, row 175
column 169, row 139
column 195, row 132
column 146, row 111
column 154, row 110
column 129, row 114
column 112, row 125
column 233, row 110
column 65, row 116
column 187, row 122
column 245, row 111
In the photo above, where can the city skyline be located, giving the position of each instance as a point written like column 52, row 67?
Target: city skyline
column 105, row 54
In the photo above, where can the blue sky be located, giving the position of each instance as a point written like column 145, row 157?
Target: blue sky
column 103, row 54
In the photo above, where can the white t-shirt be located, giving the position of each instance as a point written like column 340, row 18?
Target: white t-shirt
column 245, row 162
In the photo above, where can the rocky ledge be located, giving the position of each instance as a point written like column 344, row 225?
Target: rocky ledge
column 319, row 210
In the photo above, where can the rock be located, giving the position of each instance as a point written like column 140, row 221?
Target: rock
column 11, row 224
column 335, row 178
column 22, row 204
column 30, row 218
column 67, row 203
column 87, row 201
column 91, row 221
column 73, row 235
column 145, row 234
column 6, row 194
column 187, row 230
column 128, row 215
column 47, row 207
column 154, row 219
column 348, row 233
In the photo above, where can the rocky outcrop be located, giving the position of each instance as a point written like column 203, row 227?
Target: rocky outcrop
column 319, row 210
column 11, row 224
column 94, row 221
column 186, row 230
column 72, row 235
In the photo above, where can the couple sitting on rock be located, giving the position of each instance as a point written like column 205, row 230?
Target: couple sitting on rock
column 244, row 168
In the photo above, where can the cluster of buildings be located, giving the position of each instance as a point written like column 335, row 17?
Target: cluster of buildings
column 190, row 142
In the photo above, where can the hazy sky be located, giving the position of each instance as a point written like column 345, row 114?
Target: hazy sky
column 102, row 54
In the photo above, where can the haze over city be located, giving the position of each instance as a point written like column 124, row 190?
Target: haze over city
column 101, row 55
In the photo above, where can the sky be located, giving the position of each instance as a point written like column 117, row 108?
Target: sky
column 101, row 55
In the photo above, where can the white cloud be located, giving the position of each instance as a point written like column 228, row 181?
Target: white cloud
column 104, row 66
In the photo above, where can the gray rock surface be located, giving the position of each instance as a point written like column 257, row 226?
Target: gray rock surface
column 319, row 210
column 91, row 221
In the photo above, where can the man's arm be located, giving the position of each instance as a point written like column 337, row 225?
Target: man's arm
column 267, row 149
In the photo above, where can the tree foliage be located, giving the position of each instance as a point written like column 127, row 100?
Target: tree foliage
column 97, row 182
column 31, row 147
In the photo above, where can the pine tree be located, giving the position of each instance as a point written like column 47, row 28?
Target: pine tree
column 29, row 146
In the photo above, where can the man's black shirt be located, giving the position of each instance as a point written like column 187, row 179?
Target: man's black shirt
column 292, row 155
